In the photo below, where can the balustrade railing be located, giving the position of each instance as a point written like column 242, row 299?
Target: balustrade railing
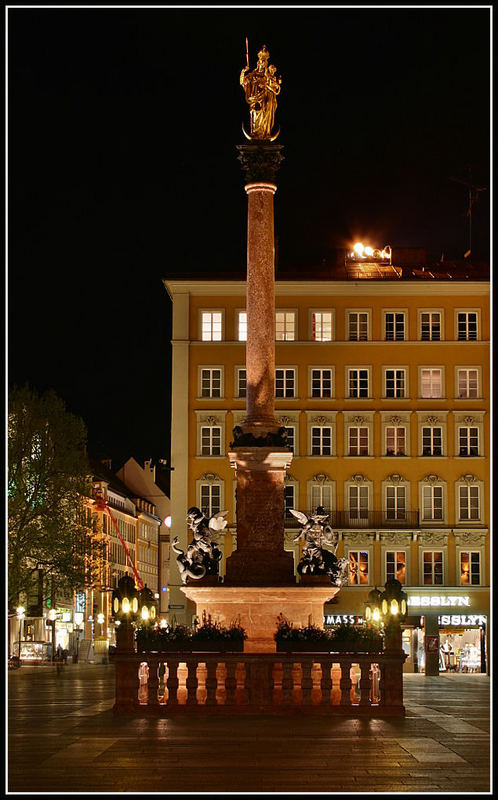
column 363, row 519
column 270, row 682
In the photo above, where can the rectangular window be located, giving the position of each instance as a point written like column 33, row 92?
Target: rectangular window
column 210, row 499
column 430, row 326
column 284, row 383
column 242, row 326
column 468, row 441
column 433, row 568
column 285, row 326
column 291, row 433
column 321, row 495
column 241, row 383
column 394, row 326
column 396, row 565
column 211, row 441
column 433, row 503
column 321, row 383
column 358, row 503
column 358, row 442
column 358, row 567
column 212, row 323
column 467, row 325
column 321, row 441
column 432, row 441
column 469, row 503
column 321, row 322
column 395, row 382
column 289, row 498
column 468, row 381
column 357, row 326
column 395, row 441
column 211, row 383
column 470, row 568
column 358, row 382
column 395, row 502
column 431, row 383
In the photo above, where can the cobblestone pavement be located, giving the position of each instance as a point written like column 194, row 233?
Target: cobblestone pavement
column 63, row 737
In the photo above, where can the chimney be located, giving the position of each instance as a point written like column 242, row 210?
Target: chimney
column 150, row 466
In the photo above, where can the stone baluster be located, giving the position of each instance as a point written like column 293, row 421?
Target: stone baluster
column 326, row 681
column 306, row 681
column 211, row 681
column 287, row 682
column 153, row 681
column 365, row 683
column 345, row 682
column 172, row 682
column 230, row 681
column 192, row 681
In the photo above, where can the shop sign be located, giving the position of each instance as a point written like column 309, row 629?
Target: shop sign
column 462, row 619
column 439, row 600
column 338, row 619
column 432, row 644
column 176, row 606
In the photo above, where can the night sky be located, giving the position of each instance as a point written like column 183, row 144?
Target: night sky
column 123, row 170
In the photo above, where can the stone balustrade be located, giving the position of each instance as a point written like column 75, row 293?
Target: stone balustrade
column 172, row 683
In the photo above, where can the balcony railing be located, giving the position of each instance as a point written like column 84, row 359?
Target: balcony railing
column 363, row 519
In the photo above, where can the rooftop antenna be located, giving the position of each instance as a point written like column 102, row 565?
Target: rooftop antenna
column 473, row 197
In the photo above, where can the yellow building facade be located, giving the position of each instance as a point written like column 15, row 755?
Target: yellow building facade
column 383, row 386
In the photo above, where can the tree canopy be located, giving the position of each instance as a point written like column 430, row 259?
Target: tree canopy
column 49, row 486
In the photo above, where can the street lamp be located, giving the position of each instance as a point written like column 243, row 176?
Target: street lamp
column 20, row 616
column 147, row 604
column 373, row 610
column 125, row 609
column 394, row 609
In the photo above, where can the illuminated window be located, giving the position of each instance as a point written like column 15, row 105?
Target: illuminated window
column 467, row 325
column 431, row 383
column 321, row 441
column 211, row 441
column 358, row 567
column 432, row 503
column 394, row 325
column 358, row 382
column 357, row 326
column 396, row 565
column 395, row 382
column 321, row 383
column 212, row 326
column 430, row 326
column 469, row 505
column 321, row 323
column 433, row 568
column 358, row 441
column 241, row 382
column 210, row 498
column 470, row 568
column 432, row 441
column 358, row 503
column 395, row 441
column 285, row 383
column 468, row 383
column 395, row 502
column 210, row 382
column 285, row 326
column 242, row 326
column 468, row 439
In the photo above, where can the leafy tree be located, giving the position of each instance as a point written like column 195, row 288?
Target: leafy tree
column 49, row 483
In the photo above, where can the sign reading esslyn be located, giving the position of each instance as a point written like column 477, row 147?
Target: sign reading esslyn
column 338, row 619
column 462, row 619
column 436, row 600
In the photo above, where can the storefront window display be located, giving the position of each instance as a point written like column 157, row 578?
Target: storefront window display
column 461, row 649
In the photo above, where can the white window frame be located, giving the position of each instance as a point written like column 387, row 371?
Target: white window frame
column 358, row 522
column 472, row 483
column 362, row 420
column 286, row 337
column 212, row 480
column 205, row 419
column 439, row 483
column 210, row 367
column 203, row 311
column 432, row 419
column 470, row 551
column 467, row 368
column 404, row 313
column 326, row 419
column 321, row 482
column 357, row 429
column 396, row 369
column 443, row 551
column 353, row 367
column 239, row 312
column 347, row 313
column 321, row 368
column 439, row 311
column 477, row 312
column 432, row 436
column 359, row 550
column 322, row 428
column 396, row 453
column 433, row 368
column 286, row 397
column 211, row 444
column 395, row 482
column 393, row 548
column 330, row 311
column 395, row 419
column 291, row 481
column 237, row 371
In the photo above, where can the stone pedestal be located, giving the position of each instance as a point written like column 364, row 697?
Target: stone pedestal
column 258, row 608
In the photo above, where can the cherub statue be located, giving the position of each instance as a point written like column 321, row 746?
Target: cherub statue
column 315, row 559
column 202, row 556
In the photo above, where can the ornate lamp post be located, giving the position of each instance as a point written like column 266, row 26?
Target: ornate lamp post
column 394, row 608
column 373, row 608
column 125, row 609
column 147, row 604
